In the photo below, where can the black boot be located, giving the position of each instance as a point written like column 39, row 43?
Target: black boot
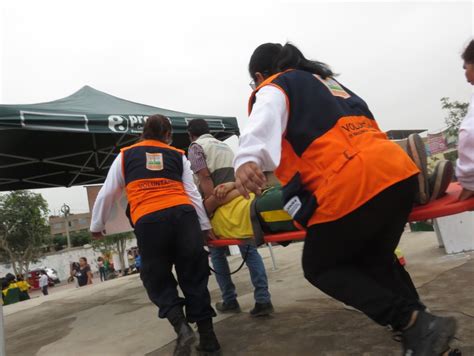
column 185, row 334
column 208, row 344
column 429, row 336
column 262, row 309
column 230, row 307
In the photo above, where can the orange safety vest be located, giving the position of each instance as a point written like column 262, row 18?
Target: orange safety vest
column 334, row 156
column 153, row 177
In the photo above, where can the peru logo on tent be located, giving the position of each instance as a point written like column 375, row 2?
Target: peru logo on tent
column 122, row 123
column 118, row 123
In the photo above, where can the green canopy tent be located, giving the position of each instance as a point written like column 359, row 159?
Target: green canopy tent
column 73, row 141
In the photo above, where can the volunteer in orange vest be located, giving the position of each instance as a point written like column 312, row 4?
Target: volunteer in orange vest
column 169, row 220
column 344, row 181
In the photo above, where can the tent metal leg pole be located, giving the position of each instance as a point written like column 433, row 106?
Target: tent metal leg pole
column 2, row 333
column 270, row 248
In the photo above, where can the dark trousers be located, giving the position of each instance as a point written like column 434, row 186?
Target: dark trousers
column 102, row 275
column 45, row 290
column 352, row 259
column 173, row 237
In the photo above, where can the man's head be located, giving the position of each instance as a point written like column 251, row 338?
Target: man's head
column 468, row 58
column 158, row 127
column 196, row 128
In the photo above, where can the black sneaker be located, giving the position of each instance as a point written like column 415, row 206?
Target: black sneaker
column 184, row 341
column 440, row 179
column 208, row 344
column 262, row 309
column 417, row 152
column 429, row 336
column 231, row 307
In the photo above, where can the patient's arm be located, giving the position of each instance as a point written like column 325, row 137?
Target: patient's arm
column 213, row 202
column 223, row 189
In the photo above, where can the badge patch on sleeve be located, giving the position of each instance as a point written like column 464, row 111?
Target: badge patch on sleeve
column 334, row 87
column 154, row 161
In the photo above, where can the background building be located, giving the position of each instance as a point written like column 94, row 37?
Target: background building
column 77, row 222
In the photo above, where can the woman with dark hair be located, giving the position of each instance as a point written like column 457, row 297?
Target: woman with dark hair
column 344, row 181
column 168, row 216
column 465, row 163
column 83, row 273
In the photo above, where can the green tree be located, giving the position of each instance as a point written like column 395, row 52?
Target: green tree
column 116, row 243
column 78, row 239
column 24, row 230
column 59, row 242
column 456, row 113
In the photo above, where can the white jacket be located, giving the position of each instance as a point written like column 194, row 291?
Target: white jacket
column 465, row 162
column 43, row 281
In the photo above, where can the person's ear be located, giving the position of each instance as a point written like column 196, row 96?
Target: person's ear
column 260, row 78
column 170, row 137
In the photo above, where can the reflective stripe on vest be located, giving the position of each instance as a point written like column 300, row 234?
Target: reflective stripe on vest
column 153, row 177
column 334, row 156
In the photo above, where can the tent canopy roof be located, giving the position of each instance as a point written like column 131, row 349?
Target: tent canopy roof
column 73, row 141
column 91, row 110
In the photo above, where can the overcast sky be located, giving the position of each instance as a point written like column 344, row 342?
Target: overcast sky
column 192, row 56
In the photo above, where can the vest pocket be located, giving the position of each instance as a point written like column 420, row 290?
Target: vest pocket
column 298, row 202
column 340, row 162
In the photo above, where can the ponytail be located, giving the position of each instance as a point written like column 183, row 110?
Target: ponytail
column 272, row 58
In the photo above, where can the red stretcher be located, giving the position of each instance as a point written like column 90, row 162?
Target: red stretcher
column 447, row 205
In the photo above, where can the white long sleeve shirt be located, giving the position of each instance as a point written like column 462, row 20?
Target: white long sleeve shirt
column 260, row 140
column 465, row 162
column 43, row 281
column 114, row 186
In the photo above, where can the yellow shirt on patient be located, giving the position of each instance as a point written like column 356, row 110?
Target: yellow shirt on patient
column 232, row 220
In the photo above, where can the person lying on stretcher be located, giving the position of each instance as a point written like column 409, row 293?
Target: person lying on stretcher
column 231, row 214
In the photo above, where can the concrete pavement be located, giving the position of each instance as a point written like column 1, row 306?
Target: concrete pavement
column 116, row 317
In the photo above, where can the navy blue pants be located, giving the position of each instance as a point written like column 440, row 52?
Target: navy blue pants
column 173, row 237
column 352, row 259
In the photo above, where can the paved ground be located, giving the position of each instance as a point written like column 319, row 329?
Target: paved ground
column 116, row 318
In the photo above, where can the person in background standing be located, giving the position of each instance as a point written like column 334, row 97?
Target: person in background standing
column 84, row 274
column 131, row 260
column 465, row 163
column 43, row 282
column 138, row 260
column 100, row 264
column 107, row 265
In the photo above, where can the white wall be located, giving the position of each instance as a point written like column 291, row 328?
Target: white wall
column 60, row 260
